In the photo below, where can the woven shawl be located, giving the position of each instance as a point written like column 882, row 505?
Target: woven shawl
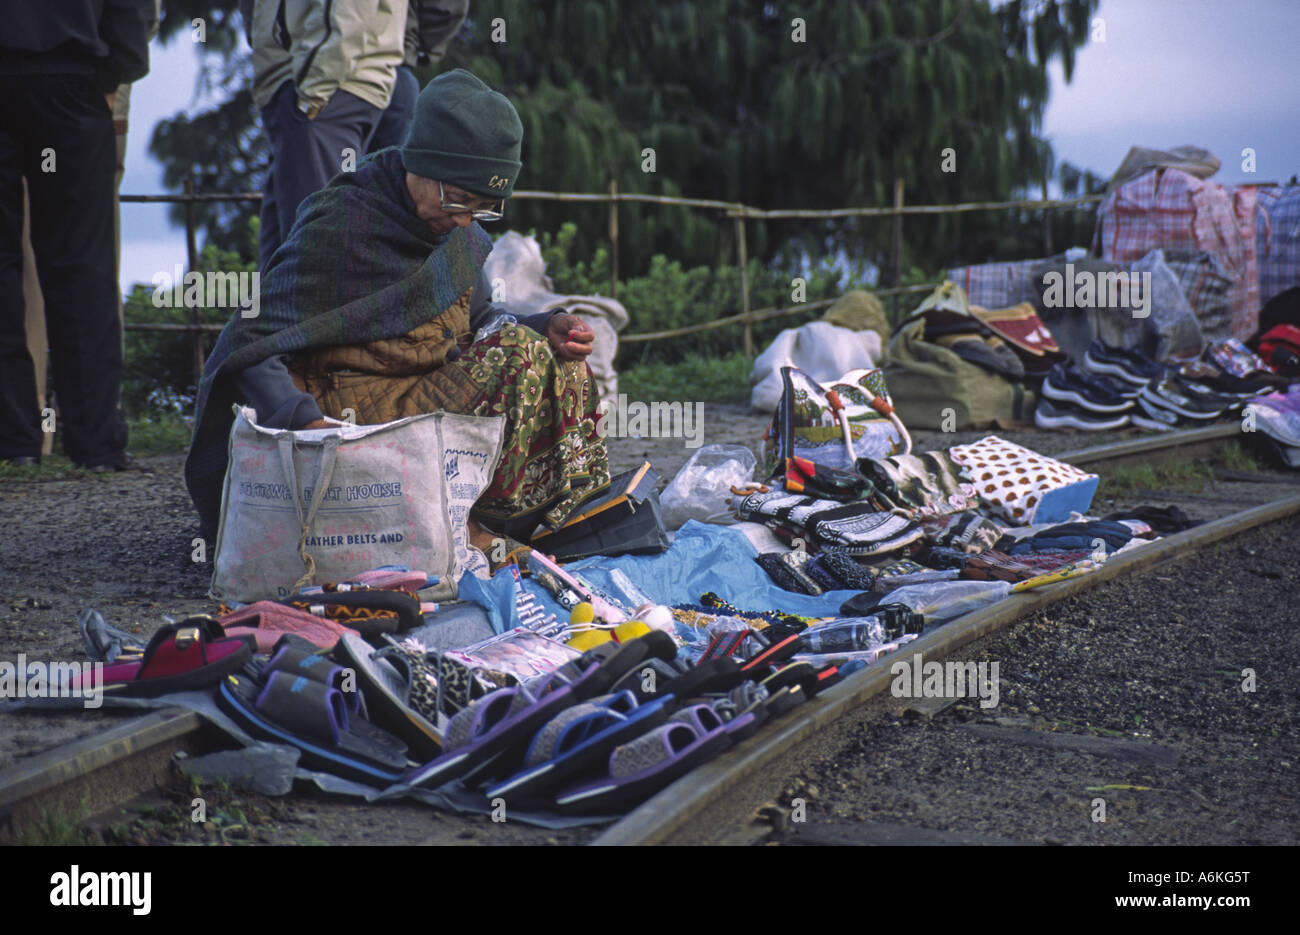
column 358, row 266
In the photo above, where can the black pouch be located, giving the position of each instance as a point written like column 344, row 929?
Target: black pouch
column 625, row 519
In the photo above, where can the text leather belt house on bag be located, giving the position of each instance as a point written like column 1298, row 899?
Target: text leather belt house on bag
column 314, row 506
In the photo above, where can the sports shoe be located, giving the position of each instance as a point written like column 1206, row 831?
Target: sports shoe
column 1126, row 365
column 121, row 461
column 1065, row 416
column 1070, row 385
column 1114, row 384
column 1150, row 416
column 1198, row 390
column 1170, row 395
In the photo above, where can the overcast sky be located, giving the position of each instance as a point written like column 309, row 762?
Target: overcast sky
column 1221, row 74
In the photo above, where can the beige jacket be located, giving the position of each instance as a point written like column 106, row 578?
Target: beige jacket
column 325, row 45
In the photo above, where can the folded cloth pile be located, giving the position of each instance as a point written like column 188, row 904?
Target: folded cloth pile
column 1072, row 537
column 929, row 483
column 857, row 528
column 830, row 570
column 968, row 531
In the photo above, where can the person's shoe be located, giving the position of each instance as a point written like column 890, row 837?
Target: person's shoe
column 1069, row 385
column 22, row 461
column 1199, row 391
column 1169, row 395
column 1051, row 415
column 1153, row 416
column 114, row 463
column 1114, row 384
column 1121, row 363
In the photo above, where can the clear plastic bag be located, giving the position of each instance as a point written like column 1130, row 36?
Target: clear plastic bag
column 496, row 324
column 940, row 601
column 700, row 489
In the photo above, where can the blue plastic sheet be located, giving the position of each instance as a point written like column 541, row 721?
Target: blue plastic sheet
column 703, row 557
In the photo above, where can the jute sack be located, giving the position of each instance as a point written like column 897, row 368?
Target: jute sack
column 309, row 507
column 933, row 388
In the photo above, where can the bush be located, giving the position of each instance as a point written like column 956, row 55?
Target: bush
column 670, row 296
column 159, row 368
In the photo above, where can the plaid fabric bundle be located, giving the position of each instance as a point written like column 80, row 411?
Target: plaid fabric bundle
column 1170, row 209
column 1278, row 240
column 997, row 285
column 1207, row 286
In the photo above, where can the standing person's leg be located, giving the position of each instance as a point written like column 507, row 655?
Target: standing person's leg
column 37, row 345
column 396, row 119
column 72, row 234
column 20, row 430
column 308, row 153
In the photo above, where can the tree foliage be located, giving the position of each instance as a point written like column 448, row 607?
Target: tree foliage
column 817, row 104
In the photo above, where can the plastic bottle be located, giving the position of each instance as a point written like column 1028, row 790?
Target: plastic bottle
column 844, row 636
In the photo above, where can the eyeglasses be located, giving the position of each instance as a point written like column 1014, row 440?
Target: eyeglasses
column 494, row 213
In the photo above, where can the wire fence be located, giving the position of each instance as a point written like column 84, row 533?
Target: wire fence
column 739, row 213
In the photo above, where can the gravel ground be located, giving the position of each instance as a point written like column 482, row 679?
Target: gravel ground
column 123, row 543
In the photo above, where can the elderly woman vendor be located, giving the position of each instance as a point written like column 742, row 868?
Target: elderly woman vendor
column 373, row 303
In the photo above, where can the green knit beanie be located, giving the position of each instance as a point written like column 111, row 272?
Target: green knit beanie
column 466, row 134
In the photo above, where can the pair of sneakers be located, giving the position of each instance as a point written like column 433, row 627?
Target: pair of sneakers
column 1164, row 395
column 1074, row 398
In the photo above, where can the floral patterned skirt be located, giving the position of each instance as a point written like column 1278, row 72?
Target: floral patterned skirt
column 553, row 458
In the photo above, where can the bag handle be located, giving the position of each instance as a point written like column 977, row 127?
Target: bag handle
column 325, row 471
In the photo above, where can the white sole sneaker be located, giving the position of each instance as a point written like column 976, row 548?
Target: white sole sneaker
column 1112, row 370
column 1070, row 420
column 1145, row 422
column 1070, row 396
column 1164, row 402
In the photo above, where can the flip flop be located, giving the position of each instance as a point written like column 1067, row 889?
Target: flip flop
column 187, row 656
column 290, row 658
column 803, row 674
column 396, row 700
column 314, row 717
column 484, row 730
column 578, row 739
column 643, row 766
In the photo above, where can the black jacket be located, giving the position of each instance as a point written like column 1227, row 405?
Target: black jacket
column 105, row 38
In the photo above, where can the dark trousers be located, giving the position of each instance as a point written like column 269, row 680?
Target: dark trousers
column 396, row 119
column 305, row 154
column 57, row 131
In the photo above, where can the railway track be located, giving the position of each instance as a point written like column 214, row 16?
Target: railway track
column 98, row 775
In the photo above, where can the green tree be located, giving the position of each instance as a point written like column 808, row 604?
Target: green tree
column 222, row 148
column 818, row 104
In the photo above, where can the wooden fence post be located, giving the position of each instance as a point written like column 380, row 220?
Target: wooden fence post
column 1047, row 223
column 897, row 246
column 613, row 239
column 192, row 252
column 742, row 256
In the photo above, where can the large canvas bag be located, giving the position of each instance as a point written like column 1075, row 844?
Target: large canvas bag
column 926, row 381
column 309, row 507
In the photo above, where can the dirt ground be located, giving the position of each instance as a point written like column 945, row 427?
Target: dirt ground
column 123, row 544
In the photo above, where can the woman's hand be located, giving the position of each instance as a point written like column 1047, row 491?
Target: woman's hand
column 570, row 336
